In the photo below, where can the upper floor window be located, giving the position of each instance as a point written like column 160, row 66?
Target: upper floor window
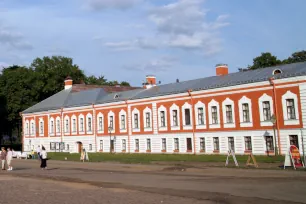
column 89, row 124
column 27, row 128
column 246, row 112
column 100, row 123
column 290, row 109
column 73, row 125
column 41, row 127
column 81, row 124
column 58, row 127
column 66, row 125
column 187, row 117
column 214, row 115
column 123, row 122
column 52, row 126
column 148, row 120
column 175, row 121
column 162, row 119
column 266, row 110
column 229, row 114
column 201, row 116
column 136, row 126
column 111, row 122
column 32, row 128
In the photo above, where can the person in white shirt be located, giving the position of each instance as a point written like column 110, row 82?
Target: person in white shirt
column 38, row 152
column 43, row 155
column 9, row 157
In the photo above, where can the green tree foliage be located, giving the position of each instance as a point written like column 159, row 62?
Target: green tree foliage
column 296, row 57
column 266, row 59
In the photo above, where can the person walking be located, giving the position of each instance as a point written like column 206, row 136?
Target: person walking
column 9, row 157
column 3, row 157
column 43, row 154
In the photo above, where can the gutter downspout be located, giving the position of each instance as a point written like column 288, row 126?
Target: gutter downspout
column 276, row 114
column 127, row 127
column 193, row 121
column 95, row 125
column 22, row 132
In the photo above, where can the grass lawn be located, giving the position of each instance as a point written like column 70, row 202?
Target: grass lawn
column 148, row 158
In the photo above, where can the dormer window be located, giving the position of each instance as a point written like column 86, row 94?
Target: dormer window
column 116, row 96
column 276, row 71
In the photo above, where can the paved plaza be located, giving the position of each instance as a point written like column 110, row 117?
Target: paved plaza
column 75, row 182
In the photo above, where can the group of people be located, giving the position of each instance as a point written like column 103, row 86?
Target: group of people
column 42, row 156
column 6, row 157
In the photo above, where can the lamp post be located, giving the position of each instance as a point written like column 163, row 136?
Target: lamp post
column 273, row 120
column 110, row 138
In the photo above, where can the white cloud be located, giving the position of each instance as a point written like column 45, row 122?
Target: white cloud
column 13, row 40
column 110, row 4
column 132, row 44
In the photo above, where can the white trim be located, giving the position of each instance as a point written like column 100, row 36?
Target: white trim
column 198, row 105
column 135, row 111
column 160, row 128
column 145, row 111
column 263, row 98
column 89, row 116
column 100, row 130
column 76, row 126
column 211, row 104
column 184, row 107
column 122, row 113
column 290, row 95
column 230, row 102
column 81, row 131
column 248, row 101
column 72, row 109
column 172, row 108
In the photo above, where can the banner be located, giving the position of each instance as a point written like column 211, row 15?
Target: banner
column 296, row 157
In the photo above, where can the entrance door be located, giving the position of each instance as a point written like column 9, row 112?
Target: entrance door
column 189, row 145
column 112, row 145
column 79, row 147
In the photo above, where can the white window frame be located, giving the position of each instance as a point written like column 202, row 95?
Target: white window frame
column 101, row 146
column 230, row 102
column 248, row 101
column 290, row 95
column 178, row 140
column 111, row 113
column 160, row 128
column 76, row 125
column 161, row 146
column 145, row 111
column 33, row 128
column 52, row 130
column 89, row 116
column 41, row 120
column 135, row 111
column 123, row 113
column 198, row 105
column 184, row 107
column 66, row 132
column 27, row 128
column 58, row 124
column 80, row 126
column 125, row 143
column 172, row 108
column 100, row 129
column 211, row 104
column 263, row 98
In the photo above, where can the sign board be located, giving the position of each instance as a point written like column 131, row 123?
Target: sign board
column 251, row 157
column 293, row 158
column 231, row 153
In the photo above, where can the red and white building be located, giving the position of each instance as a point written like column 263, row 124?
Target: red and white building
column 251, row 111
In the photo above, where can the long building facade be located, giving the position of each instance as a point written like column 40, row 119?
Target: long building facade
column 260, row 111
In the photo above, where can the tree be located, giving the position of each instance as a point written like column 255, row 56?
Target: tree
column 96, row 81
column 296, row 57
column 266, row 59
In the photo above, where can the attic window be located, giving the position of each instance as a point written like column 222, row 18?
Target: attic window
column 116, row 96
column 276, row 71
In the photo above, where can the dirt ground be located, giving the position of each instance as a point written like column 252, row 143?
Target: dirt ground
column 74, row 182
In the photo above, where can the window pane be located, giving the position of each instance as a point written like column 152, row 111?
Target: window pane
column 164, row 145
column 187, row 117
column 176, row 144
column 200, row 116
column 266, row 110
column 136, row 120
column 269, row 143
column 214, row 115
column 290, row 109
column 248, row 143
column 216, row 143
column 229, row 117
column 148, row 144
column 202, row 144
column 246, row 112
column 175, row 123
column 231, row 143
column 162, row 119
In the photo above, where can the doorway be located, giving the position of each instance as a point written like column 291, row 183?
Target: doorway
column 112, row 145
column 189, row 145
column 79, row 147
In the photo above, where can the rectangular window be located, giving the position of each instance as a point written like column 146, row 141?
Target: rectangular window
column 67, row 125
column 290, row 109
column 245, row 112
column 137, row 144
column 111, row 122
column 81, row 124
column 162, row 119
column 202, row 144
column 175, row 122
column 148, row 121
column 58, row 127
column 200, row 116
column 136, row 121
column 294, row 140
column 216, row 143
column 269, row 143
column 101, row 144
column 164, row 144
column 73, row 125
column 122, row 122
column 187, row 117
column 100, row 123
column 189, row 144
column 149, row 144
column 176, row 144
column 248, row 143
column 32, row 128
column 231, row 143
column 89, row 124
column 229, row 114
column 266, row 110
column 41, row 127
column 214, row 115
column 67, row 146
column 27, row 128
column 52, row 126
column 90, row 147
column 123, row 145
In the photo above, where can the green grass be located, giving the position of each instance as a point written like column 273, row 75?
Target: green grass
column 148, row 158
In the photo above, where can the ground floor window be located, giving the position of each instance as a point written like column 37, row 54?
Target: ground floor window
column 176, row 144
column 189, row 143
column 137, row 144
column 202, row 144
column 231, row 143
column 148, row 144
column 216, row 143
column 123, row 145
column 294, row 140
column 248, row 143
column 67, row 146
column 90, row 147
column 101, row 144
column 269, row 143
column 164, row 144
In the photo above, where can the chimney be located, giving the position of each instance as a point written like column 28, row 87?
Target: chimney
column 68, row 82
column 150, row 81
column 221, row 69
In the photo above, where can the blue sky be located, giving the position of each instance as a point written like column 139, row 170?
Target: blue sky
column 127, row 39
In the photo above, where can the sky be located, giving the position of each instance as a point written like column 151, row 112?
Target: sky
column 126, row 40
